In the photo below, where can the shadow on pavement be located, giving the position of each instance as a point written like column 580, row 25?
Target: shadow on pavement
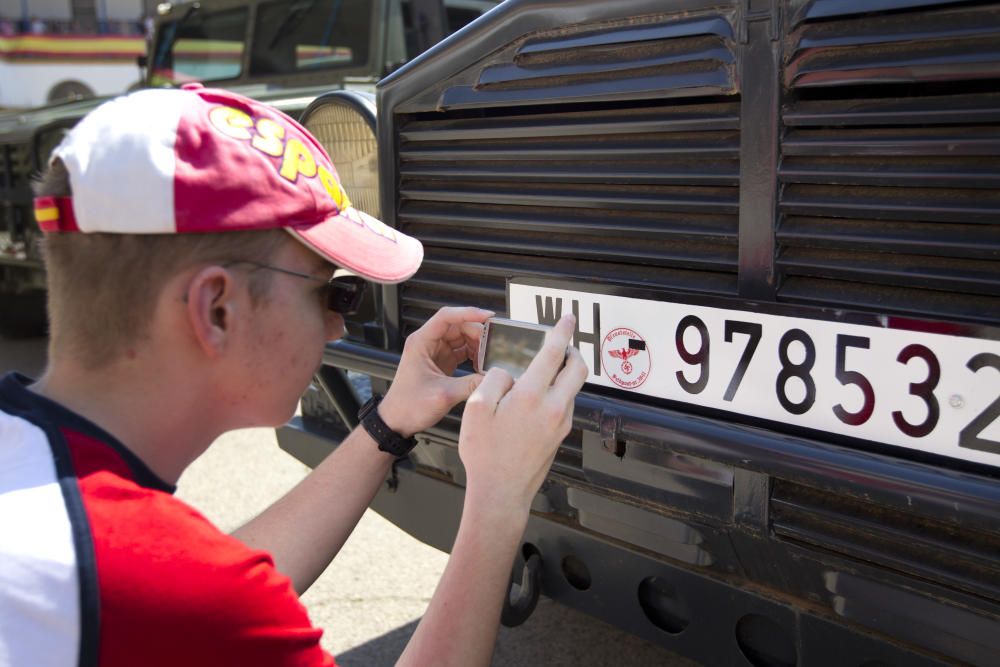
column 384, row 650
column 555, row 636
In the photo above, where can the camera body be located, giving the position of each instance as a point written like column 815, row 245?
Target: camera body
column 509, row 344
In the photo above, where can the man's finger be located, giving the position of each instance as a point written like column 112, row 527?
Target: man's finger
column 550, row 358
column 436, row 328
column 493, row 387
column 461, row 388
column 472, row 332
column 571, row 377
column 456, row 335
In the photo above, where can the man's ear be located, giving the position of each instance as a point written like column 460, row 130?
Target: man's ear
column 211, row 308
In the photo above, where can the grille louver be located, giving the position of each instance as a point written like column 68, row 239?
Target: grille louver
column 658, row 209
column 655, row 57
column 651, row 199
column 563, row 186
column 951, row 555
column 889, row 195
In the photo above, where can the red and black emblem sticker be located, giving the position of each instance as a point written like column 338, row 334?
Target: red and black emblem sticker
column 625, row 358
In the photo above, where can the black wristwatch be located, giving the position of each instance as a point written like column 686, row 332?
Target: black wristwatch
column 387, row 439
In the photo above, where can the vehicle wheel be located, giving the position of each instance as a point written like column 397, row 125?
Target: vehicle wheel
column 22, row 314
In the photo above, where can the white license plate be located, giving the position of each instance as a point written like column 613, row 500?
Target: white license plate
column 927, row 386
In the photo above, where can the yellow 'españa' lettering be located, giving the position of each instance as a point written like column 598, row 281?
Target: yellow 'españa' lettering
column 269, row 137
column 231, row 122
column 333, row 188
column 297, row 160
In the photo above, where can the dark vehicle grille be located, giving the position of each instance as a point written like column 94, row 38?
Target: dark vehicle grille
column 645, row 193
column 889, row 179
column 651, row 200
column 528, row 164
column 806, row 157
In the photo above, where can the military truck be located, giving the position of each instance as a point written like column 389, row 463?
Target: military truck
column 285, row 52
column 778, row 224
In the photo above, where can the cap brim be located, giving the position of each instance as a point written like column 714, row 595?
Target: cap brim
column 356, row 241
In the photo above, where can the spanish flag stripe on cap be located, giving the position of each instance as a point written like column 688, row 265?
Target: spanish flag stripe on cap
column 55, row 214
column 46, row 214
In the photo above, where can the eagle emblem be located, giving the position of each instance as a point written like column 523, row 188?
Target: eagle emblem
column 630, row 349
column 624, row 354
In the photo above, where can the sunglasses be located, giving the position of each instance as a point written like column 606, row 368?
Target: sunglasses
column 343, row 294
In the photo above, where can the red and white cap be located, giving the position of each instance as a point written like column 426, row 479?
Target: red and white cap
column 207, row 160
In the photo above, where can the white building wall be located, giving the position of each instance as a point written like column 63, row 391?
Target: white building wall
column 121, row 10
column 10, row 9
column 58, row 10
column 47, row 10
column 28, row 85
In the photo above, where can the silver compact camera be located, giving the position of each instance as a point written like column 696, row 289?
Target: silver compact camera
column 510, row 345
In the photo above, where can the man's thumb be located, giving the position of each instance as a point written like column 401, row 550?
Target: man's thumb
column 462, row 387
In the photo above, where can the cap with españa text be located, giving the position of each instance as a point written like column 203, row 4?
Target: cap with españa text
column 206, row 160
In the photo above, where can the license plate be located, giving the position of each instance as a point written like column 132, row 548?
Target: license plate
column 927, row 386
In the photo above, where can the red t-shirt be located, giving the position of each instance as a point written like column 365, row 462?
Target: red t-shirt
column 121, row 573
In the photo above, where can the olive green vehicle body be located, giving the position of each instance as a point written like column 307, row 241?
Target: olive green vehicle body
column 273, row 40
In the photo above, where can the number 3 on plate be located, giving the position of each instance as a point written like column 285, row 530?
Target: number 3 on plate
column 923, row 390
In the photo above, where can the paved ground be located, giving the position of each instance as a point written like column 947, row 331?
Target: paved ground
column 370, row 599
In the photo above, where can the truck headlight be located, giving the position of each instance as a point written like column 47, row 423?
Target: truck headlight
column 344, row 122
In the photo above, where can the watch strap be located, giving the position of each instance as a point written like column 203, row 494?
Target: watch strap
column 386, row 439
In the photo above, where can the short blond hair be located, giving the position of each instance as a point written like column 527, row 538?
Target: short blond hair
column 102, row 288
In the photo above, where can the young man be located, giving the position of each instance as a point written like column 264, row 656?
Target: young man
column 190, row 237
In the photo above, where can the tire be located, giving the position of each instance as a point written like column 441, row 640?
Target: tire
column 22, row 314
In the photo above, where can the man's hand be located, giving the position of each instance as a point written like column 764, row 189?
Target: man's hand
column 424, row 390
column 511, row 431
column 510, row 435
column 303, row 540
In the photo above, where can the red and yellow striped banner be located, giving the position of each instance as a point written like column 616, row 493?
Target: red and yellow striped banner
column 71, row 47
